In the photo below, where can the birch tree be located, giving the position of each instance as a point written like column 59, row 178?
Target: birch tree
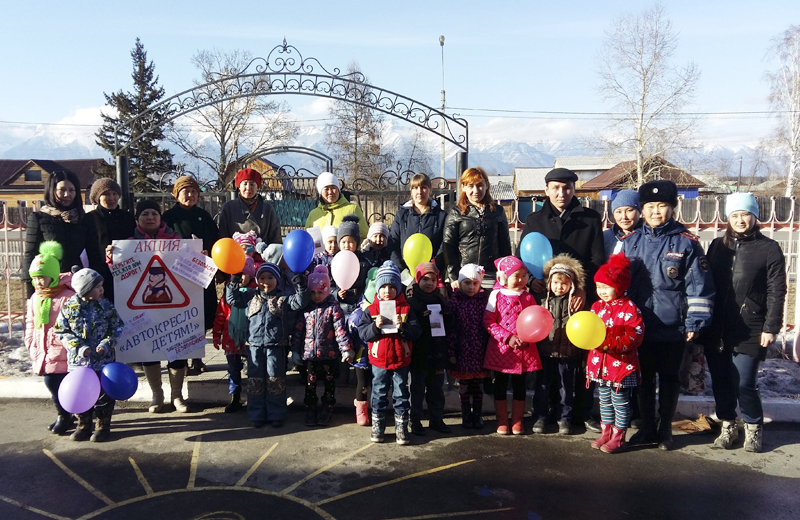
column 785, row 99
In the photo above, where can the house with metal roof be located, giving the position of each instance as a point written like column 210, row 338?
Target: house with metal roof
column 623, row 176
column 587, row 167
column 24, row 179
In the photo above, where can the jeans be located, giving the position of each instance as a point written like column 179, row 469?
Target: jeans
column 723, row 375
column 563, row 374
column 266, row 383
column 427, row 385
column 381, row 380
column 746, row 383
column 235, row 366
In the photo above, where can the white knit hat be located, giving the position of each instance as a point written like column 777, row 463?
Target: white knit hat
column 329, row 231
column 326, row 179
column 472, row 272
column 378, row 228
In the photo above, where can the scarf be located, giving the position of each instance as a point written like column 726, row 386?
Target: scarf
column 250, row 203
column 71, row 216
column 41, row 312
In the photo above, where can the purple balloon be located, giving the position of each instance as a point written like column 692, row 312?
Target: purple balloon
column 119, row 381
column 79, row 391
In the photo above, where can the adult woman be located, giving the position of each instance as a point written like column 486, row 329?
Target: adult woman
column 475, row 230
column 627, row 218
column 189, row 220
column 249, row 211
column 750, row 279
column 421, row 214
column 333, row 206
column 111, row 221
column 62, row 219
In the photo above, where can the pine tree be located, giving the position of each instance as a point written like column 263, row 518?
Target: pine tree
column 147, row 161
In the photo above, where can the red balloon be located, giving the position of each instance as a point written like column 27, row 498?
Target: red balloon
column 534, row 324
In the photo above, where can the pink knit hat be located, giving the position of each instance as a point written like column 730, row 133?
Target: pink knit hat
column 246, row 239
column 507, row 266
column 249, row 266
column 319, row 280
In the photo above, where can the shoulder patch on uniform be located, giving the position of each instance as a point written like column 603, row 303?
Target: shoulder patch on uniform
column 691, row 236
column 703, row 262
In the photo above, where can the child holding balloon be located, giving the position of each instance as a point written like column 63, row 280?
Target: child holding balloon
column 614, row 365
column 361, row 364
column 349, row 237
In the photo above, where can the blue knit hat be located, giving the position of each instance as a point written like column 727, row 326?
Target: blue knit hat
column 388, row 274
column 268, row 267
column 741, row 202
column 629, row 198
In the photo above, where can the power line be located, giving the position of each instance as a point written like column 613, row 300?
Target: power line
column 616, row 114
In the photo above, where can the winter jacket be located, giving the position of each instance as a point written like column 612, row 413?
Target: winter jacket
column 164, row 232
column 408, row 222
column 332, row 214
column 320, row 333
column 268, row 314
column 750, row 280
column 469, row 337
column 74, row 238
column 115, row 224
column 579, row 234
column 374, row 257
column 352, row 295
column 48, row 356
column 430, row 353
column 85, row 326
column 557, row 344
column 670, row 282
column 359, row 345
column 612, row 238
column 617, row 356
column 390, row 351
column 475, row 238
column 500, row 319
column 236, row 216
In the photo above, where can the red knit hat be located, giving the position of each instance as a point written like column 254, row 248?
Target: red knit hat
column 615, row 273
column 248, row 174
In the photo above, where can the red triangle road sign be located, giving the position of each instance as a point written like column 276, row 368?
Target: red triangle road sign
column 157, row 293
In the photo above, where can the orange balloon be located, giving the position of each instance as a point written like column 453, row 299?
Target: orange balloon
column 228, row 256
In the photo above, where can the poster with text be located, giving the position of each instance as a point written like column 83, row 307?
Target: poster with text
column 162, row 311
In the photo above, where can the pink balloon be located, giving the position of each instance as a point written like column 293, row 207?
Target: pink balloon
column 79, row 391
column 534, row 324
column 345, row 269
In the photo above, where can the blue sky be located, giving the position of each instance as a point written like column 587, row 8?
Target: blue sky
column 59, row 58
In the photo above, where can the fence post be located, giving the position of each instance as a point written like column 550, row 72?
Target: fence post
column 7, row 267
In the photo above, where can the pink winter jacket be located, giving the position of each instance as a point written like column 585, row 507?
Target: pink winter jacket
column 500, row 319
column 47, row 354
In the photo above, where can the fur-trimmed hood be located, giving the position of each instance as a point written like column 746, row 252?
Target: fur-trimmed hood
column 579, row 278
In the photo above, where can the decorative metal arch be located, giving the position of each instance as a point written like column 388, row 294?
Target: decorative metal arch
column 304, row 150
column 286, row 71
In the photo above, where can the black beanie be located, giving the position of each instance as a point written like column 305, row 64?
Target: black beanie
column 146, row 204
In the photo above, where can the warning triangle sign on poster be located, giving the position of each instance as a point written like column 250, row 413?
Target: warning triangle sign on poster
column 157, row 288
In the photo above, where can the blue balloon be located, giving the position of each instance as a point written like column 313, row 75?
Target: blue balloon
column 534, row 252
column 119, row 381
column 298, row 250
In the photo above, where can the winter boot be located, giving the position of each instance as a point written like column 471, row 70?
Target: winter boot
column 84, row 428
column 102, row 428
column 517, row 414
column 752, row 437
column 362, row 412
column 466, row 416
column 401, row 430
column 235, row 405
column 501, row 410
column 438, row 425
column 311, row 415
column 176, row 376
column 153, row 374
column 605, row 436
column 665, row 441
column 64, row 422
column 325, row 414
column 728, row 435
column 416, row 427
column 477, row 416
column 617, row 442
column 378, row 429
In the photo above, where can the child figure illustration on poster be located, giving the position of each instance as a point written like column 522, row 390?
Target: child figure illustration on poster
column 157, row 290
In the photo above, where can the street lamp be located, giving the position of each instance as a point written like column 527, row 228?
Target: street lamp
column 441, row 44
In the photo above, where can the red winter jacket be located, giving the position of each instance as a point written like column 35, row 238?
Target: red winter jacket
column 617, row 356
column 390, row 351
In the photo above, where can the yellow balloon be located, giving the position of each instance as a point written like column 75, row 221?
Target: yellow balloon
column 586, row 330
column 417, row 249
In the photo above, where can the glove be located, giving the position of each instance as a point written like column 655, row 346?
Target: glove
column 84, row 352
column 236, row 279
column 297, row 359
column 348, row 357
column 261, row 247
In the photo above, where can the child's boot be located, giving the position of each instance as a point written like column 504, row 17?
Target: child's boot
column 605, row 436
column 401, row 429
column 466, row 416
column 64, row 422
column 102, row 428
column 362, row 412
column 311, row 415
column 517, row 414
column 617, row 442
column 477, row 416
column 176, row 376
column 235, row 405
column 325, row 414
column 501, row 410
column 153, row 374
column 378, row 429
column 84, row 429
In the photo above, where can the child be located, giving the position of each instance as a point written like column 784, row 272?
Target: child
column 429, row 355
column 614, row 365
column 48, row 356
column 230, row 334
column 330, row 246
column 349, row 237
column 374, row 251
column 561, row 360
column 468, row 343
column 361, row 364
column 267, row 309
column 319, row 329
column 250, row 244
column 89, row 326
column 389, row 352
column 506, row 353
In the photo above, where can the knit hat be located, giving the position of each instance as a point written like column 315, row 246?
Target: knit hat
column 388, row 274
column 319, row 280
column 247, row 174
column 378, row 228
column 184, row 182
column 626, row 198
column 325, row 179
column 658, row 191
column 349, row 228
column 472, row 272
column 741, row 202
column 507, row 266
column 85, row 280
column 269, row 267
column 370, row 289
column 101, row 186
column 48, row 261
column 615, row 273
column 425, row 268
column 329, row 231
column 560, row 175
column 249, row 267
column 249, row 239
column 146, row 204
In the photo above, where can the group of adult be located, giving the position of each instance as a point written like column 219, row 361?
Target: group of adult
column 674, row 279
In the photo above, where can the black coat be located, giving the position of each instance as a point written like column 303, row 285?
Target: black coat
column 116, row 224
column 236, row 216
column 408, row 222
column 750, row 278
column 579, row 234
column 473, row 238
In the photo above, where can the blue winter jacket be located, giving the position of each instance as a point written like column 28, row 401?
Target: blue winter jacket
column 407, row 222
column 670, row 280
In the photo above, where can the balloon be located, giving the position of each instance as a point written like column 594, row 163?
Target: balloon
column 298, row 250
column 345, row 269
column 534, row 252
column 586, row 330
column 534, row 324
column 417, row 249
column 119, row 381
column 228, row 256
column 79, row 391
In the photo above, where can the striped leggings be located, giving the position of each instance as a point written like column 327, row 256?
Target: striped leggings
column 471, row 388
column 615, row 407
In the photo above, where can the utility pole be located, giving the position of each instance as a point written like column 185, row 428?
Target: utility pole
column 441, row 44
column 739, row 182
